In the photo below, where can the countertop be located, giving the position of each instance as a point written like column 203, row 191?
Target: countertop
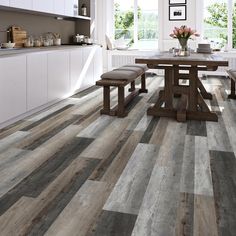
column 17, row 51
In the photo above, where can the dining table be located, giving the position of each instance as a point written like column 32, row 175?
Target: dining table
column 183, row 101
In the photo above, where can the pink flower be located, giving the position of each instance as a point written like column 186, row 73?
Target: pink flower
column 183, row 32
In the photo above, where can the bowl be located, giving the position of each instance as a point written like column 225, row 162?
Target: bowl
column 7, row 45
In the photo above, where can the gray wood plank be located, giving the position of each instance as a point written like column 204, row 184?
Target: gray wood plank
column 81, row 211
column 128, row 193
column 113, row 224
column 10, row 140
column 39, row 179
column 223, row 167
column 218, row 138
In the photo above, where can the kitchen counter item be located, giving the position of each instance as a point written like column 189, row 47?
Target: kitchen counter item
column 18, row 36
column 7, row 45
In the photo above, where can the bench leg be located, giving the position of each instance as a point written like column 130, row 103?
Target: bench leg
column 143, row 84
column 232, row 94
column 132, row 86
column 121, row 102
column 106, row 100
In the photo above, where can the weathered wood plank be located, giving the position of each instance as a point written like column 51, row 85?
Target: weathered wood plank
column 113, row 223
column 82, row 210
column 128, row 192
column 39, row 179
column 223, row 167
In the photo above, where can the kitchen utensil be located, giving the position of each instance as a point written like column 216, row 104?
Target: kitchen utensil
column 78, row 38
column 7, row 45
column 18, row 36
column 88, row 40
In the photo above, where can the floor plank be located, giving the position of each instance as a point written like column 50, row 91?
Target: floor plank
column 68, row 170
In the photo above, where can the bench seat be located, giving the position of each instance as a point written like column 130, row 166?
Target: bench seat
column 232, row 76
column 119, row 78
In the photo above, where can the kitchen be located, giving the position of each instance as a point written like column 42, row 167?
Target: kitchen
column 70, row 167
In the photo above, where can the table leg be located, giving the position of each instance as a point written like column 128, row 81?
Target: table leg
column 193, row 92
column 169, row 74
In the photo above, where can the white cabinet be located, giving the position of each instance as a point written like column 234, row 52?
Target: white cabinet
column 76, row 69
column 88, row 63
column 43, row 5
column 59, row 7
column 4, row 3
column 12, row 87
column 36, row 80
column 58, row 75
column 70, row 6
column 98, row 65
column 26, row 4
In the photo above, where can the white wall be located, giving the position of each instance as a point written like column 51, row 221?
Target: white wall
column 166, row 26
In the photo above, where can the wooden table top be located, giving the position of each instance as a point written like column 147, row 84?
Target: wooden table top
column 195, row 59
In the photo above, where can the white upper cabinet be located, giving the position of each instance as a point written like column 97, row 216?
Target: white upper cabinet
column 59, row 7
column 26, row 4
column 70, row 7
column 43, row 6
column 4, row 3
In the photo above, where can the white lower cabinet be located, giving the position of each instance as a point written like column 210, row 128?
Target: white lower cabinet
column 58, row 75
column 88, row 63
column 12, row 87
column 36, row 80
column 98, row 65
column 76, row 69
column 30, row 81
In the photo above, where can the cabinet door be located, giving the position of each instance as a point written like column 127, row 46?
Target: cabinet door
column 69, row 7
column 43, row 5
column 98, row 65
column 88, row 59
column 76, row 70
column 26, row 4
column 58, row 75
column 59, row 7
column 4, row 3
column 13, row 87
column 36, row 80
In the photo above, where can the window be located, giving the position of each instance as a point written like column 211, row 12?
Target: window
column 136, row 21
column 220, row 23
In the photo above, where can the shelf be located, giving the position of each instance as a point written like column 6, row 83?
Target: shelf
column 82, row 17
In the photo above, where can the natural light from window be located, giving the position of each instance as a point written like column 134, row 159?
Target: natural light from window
column 136, row 21
column 220, row 23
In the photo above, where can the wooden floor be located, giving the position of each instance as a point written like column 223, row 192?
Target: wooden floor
column 69, row 171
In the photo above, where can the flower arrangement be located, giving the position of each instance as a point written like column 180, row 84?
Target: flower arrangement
column 183, row 32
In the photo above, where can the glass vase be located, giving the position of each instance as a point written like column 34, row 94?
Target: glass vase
column 184, row 51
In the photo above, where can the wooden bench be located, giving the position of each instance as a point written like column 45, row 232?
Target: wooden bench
column 232, row 76
column 120, row 78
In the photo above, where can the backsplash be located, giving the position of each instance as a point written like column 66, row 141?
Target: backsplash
column 36, row 25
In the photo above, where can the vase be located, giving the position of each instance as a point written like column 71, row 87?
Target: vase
column 184, row 51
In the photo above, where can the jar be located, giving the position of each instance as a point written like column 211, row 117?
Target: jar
column 83, row 10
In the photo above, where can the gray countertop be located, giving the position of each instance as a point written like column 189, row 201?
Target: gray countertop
column 19, row 51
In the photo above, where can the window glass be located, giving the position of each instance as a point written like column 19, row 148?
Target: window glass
column 216, row 22
column 148, row 24
column 141, row 31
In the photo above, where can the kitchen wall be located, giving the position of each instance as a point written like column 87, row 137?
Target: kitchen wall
column 166, row 26
column 36, row 24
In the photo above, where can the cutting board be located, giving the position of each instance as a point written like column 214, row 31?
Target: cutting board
column 18, row 36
